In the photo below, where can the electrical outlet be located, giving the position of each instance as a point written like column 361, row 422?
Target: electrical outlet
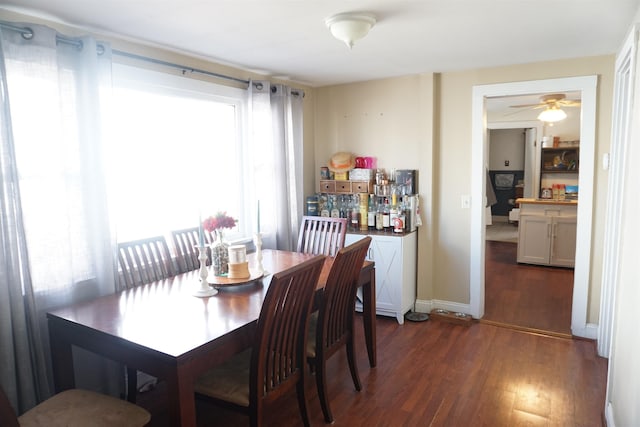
column 466, row 201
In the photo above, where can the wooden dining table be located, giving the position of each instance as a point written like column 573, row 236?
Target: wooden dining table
column 164, row 330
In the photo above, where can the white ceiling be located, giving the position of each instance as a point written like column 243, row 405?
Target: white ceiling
column 288, row 38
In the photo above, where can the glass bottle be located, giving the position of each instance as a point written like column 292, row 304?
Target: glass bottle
column 379, row 216
column 371, row 213
column 386, row 214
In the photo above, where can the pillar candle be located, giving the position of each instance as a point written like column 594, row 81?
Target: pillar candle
column 258, row 216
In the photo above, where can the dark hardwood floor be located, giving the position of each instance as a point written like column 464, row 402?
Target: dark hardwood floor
column 526, row 296
column 436, row 373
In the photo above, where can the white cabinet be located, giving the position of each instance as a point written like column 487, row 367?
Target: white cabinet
column 395, row 262
column 547, row 235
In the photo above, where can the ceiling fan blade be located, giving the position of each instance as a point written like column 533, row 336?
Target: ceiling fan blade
column 569, row 103
column 526, row 105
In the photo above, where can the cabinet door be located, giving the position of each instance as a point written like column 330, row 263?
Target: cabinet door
column 563, row 241
column 386, row 252
column 534, row 237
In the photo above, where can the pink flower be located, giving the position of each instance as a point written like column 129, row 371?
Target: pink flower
column 220, row 220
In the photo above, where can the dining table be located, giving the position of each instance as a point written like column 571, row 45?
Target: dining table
column 162, row 329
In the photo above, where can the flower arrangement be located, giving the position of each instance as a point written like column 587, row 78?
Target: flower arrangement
column 219, row 221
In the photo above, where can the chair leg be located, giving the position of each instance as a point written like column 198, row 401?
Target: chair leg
column 353, row 366
column 321, row 382
column 132, row 384
column 302, row 400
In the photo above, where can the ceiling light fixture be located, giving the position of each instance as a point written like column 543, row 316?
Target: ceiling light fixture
column 349, row 27
column 552, row 114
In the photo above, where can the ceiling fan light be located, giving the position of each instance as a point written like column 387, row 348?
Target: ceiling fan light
column 552, row 115
column 349, row 27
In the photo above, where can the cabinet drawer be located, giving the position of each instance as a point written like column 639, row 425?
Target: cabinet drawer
column 343, row 186
column 361, row 187
column 327, row 186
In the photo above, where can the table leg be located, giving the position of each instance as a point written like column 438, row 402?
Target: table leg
column 61, row 359
column 369, row 314
column 182, row 402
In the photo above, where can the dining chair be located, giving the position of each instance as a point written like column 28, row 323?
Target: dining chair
column 322, row 235
column 141, row 262
column 75, row 408
column 144, row 261
column 184, row 243
column 331, row 326
column 275, row 363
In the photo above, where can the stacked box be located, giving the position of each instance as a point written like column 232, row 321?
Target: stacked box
column 359, row 174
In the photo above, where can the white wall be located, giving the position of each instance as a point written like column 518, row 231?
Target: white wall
column 506, row 145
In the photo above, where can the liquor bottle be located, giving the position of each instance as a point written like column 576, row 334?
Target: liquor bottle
column 400, row 222
column 386, row 213
column 380, row 216
column 333, row 201
column 354, row 209
column 364, row 212
column 393, row 209
column 371, row 214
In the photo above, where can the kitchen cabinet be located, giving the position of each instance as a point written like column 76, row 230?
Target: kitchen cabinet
column 395, row 258
column 547, row 233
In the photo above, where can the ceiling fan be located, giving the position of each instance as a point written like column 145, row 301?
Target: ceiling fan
column 553, row 100
column 551, row 103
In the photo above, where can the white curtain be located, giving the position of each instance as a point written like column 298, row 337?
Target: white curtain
column 277, row 146
column 56, row 239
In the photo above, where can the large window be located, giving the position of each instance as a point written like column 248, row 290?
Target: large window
column 177, row 153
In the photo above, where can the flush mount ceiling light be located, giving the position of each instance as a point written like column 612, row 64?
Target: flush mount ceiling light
column 349, row 27
column 552, row 114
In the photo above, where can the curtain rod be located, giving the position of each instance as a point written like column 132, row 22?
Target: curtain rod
column 27, row 34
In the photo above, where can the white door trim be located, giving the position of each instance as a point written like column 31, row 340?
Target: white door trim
column 587, row 85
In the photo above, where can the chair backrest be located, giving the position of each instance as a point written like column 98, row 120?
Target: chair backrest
column 335, row 317
column 278, row 354
column 185, row 242
column 322, row 235
column 144, row 261
column 8, row 417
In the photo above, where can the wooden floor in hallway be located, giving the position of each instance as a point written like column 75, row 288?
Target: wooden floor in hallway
column 526, row 296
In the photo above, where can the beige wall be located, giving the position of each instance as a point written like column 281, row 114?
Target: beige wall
column 389, row 119
column 418, row 122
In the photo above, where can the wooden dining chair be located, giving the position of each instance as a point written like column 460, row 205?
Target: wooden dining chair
column 322, row 235
column 75, row 408
column 140, row 262
column 275, row 363
column 144, row 261
column 184, row 243
column 331, row 326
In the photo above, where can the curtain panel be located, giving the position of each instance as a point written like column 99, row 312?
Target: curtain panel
column 56, row 238
column 277, row 144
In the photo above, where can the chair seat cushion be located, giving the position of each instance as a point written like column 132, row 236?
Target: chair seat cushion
column 83, row 408
column 229, row 381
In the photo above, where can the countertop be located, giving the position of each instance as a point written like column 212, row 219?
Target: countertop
column 546, row 201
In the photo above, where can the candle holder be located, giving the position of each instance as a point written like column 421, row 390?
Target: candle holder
column 257, row 241
column 204, row 290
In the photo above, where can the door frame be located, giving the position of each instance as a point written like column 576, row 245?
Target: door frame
column 587, row 86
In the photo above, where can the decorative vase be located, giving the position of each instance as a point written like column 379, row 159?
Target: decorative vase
column 220, row 255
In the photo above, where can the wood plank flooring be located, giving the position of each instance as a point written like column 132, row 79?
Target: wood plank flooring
column 436, row 373
column 526, row 296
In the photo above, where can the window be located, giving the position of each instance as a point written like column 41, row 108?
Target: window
column 177, row 153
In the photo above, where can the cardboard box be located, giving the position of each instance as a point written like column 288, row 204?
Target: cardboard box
column 361, row 174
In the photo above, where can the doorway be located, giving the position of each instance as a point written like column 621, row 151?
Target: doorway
column 520, row 296
column 481, row 94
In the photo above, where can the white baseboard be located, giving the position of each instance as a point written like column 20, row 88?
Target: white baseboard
column 608, row 415
column 425, row 306
column 589, row 331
